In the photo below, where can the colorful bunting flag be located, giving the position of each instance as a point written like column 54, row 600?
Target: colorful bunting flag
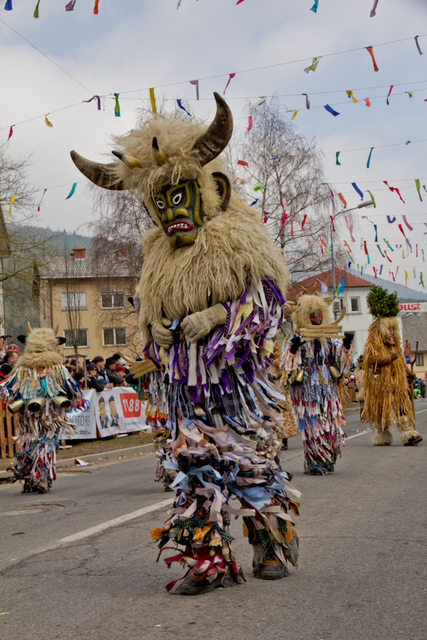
column 285, row 215
column 292, row 226
column 10, row 132
column 117, row 105
column 356, row 188
column 303, row 222
column 36, row 10
column 313, row 65
column 153, row 100
column 372, row 198
column 95, row 9
column 388, row 95
column 369, row 158
column 385, row 252
column 421, row 282
column 374, row 9
column 196, row 84
column 349, row 93
column 250, row 123
column 98, row 100
column 284, row 203
column 70, row 6
column 418, row 46
column 343, row 200
column 394, row 189
column 243, row 163
column 260, row 186
column 332, row 222
column 336, row 158
column 11, row 203
column 389, row 219
column 254, row 202
column 410, row 94
column 371, row 53
column 418, row 186
column 388, row 244
column 8, row 5
column 401, row 229
column 314, row 7
column 379, row 249
column 73, row 188
column 407, row 223
column 262, row 101
column 231, row 76
column 367, row 102
column 332, row 111
column 376, row 233
column 47, row 121
column 340, row 288
column 180, row 105
column 295, row 113
column 307, row 101
column 41, row 200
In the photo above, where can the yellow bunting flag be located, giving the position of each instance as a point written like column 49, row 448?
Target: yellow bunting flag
column 350, row 95
column 295, row 113
column 11, row 203
column 47, row 121
column 313, row 65
column 153, row 100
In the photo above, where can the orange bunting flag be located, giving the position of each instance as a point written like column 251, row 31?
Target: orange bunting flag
column 95, row 9
column 322, row 241
column 47, row 121
column 343, row 200
column 292, row 226
column 342, row 262
column 367, row 101
column 347, row 245
column 239, row 180
column 371, row 53
column 243, row 163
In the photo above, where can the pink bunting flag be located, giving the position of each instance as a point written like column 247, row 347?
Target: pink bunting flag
column 407, row 223
column 285, row 215
column 394, row 189
column 350, row 228
column 10, row 132
column 390, row 90
column 196, row 84
column 374, row 9
column 250, row 120
column 41, row 200
column 285, row 204
column 70, row 6
column 307, row 101
column 375, row 272
column 228, row 82
column 332, row 221
column 371, row 53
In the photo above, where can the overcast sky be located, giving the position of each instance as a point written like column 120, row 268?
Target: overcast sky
column 133, row 45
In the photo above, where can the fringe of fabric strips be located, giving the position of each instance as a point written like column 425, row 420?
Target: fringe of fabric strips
column 316, row 401
column 223, row 439
column 39, row 434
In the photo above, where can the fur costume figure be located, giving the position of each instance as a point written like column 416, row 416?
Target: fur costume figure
column 41, row 391
column 211, row 304
column 290, row 424
column 387, row 398
column 313, row 362
column 359, row 377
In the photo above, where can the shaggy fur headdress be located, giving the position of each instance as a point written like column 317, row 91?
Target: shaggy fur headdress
column 41, row 350
column 305, row 304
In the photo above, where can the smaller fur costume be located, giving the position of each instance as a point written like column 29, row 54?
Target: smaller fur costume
column 41, row 390
column 313, row 361
column 387, row 393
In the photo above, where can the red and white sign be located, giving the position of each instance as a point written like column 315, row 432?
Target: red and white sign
column 131, row 405
column 118, row 410
column 410, row 306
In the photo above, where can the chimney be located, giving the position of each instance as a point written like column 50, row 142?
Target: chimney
column 79, row 254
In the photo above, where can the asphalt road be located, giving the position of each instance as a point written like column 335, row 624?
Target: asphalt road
column 78, row 562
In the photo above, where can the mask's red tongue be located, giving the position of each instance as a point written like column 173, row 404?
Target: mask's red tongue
column 316, row 318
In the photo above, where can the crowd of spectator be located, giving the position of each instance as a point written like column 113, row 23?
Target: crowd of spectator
column 100, row 374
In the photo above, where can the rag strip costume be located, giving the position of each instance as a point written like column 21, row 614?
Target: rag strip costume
column 313, row 363
column 275, row 373
column 387, row 399
column 211, row 297
column 40, row 390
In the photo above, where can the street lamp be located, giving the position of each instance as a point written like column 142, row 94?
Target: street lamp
column 362, row 205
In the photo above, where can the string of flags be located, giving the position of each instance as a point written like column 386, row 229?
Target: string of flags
column 68, row 7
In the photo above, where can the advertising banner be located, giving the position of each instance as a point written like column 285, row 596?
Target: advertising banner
column 119, row 410
column 83, row 418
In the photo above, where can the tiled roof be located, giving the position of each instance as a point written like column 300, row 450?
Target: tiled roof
column 415, row 329
column 60, row 267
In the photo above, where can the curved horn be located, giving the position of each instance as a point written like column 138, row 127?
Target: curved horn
column 130, row 161
column 29, row 327
column 100, row 174
column 210, row 144
column 338, row 320
column 160, row 156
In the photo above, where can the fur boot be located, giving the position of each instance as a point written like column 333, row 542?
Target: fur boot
column 409, row 437
column 382, row 438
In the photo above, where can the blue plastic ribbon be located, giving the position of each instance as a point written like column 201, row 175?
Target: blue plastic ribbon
column 314, row 7
column 182, row 107
column 354, row 185
column 369, row 158
column 329, row 108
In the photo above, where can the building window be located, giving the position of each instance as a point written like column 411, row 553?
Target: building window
column 73, row 300
column 114, row 337
column 78, row 336
column 420, row 360
column 355, row 305
column 112, row 300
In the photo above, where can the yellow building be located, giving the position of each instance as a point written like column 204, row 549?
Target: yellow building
column 87, row 299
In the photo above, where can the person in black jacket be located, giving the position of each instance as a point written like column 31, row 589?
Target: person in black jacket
column 110, row 368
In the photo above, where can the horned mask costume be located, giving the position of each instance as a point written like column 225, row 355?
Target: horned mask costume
column 211, row 298
column 386, row 375
column 315, row 358
column 40, row 391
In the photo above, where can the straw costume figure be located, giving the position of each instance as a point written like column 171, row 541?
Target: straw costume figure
column 315, row 358
column 211, row 296
column 387, row 399
column 41, row 391
column 290, row 423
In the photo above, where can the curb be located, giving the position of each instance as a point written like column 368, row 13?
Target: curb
column 106, row 455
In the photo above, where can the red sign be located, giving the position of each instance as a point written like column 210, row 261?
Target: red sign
column 131, row 405
column 411, row 306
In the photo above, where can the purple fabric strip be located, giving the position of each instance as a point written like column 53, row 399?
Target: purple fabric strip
column 374, row 9
column 418, row 46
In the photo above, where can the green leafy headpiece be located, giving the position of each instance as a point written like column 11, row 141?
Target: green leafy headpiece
column 381, row 303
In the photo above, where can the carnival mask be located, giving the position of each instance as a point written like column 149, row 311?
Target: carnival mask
column 180, row 211
column 316, row 318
